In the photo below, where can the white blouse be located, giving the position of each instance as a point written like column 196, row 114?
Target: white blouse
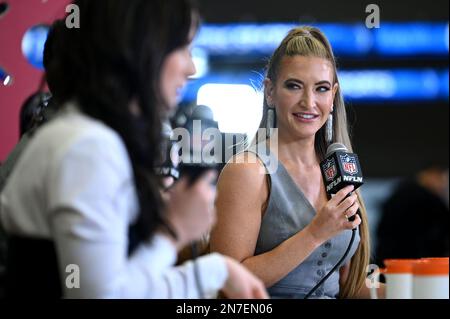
column 74, row 184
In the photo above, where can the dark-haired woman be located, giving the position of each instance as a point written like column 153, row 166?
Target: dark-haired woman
column 84, row 194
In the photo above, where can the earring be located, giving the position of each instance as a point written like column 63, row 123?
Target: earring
column 270, row 121
column 329, row 127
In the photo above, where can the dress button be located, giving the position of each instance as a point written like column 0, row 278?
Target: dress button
column 319, row 263
column 324, row 255
column 327, row 245
column 320, row 272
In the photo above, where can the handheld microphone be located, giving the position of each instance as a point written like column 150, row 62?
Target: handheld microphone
column 340, row 169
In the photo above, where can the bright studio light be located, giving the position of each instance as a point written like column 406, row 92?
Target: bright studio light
column 236, row 107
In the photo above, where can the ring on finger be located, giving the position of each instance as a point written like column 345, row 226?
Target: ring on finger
column 347, row 215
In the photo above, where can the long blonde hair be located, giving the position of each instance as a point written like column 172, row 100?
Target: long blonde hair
column 310, row 41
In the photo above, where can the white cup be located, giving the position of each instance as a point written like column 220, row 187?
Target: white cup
column 430, row 279
column 399, row 278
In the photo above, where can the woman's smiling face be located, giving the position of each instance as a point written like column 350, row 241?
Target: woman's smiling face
column 302, row 94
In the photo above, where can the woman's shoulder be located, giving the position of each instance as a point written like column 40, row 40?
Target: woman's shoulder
column 72, row 136
column 245, row 169
column 245, row 161
column 70, row 121
column 243, row 184
column 71, row 129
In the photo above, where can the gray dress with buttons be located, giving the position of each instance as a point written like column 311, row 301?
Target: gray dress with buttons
column 288, row 212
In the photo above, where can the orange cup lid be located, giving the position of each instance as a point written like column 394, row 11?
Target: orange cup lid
column 431, row 266
column 399, row 266
column 444, row 259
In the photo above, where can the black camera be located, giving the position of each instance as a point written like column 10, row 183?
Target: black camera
column 199, row 144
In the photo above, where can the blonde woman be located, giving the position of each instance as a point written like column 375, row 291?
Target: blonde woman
column 280, row 224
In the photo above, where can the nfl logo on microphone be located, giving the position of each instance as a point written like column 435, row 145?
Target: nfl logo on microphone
column 341, row 169
column 349, row 164
column 330, row 169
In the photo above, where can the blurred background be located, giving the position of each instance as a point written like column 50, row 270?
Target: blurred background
column 395, row 78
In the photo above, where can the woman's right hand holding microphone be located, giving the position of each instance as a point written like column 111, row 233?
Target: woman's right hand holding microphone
column 334, row 216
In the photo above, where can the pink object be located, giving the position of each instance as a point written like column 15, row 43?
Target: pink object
column 21, row 16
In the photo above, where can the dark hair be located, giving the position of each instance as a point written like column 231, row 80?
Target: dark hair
column 32, row 111
column 114, row 58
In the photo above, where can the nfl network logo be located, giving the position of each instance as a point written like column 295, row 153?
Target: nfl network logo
column 349, row 164
column 329, row 169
